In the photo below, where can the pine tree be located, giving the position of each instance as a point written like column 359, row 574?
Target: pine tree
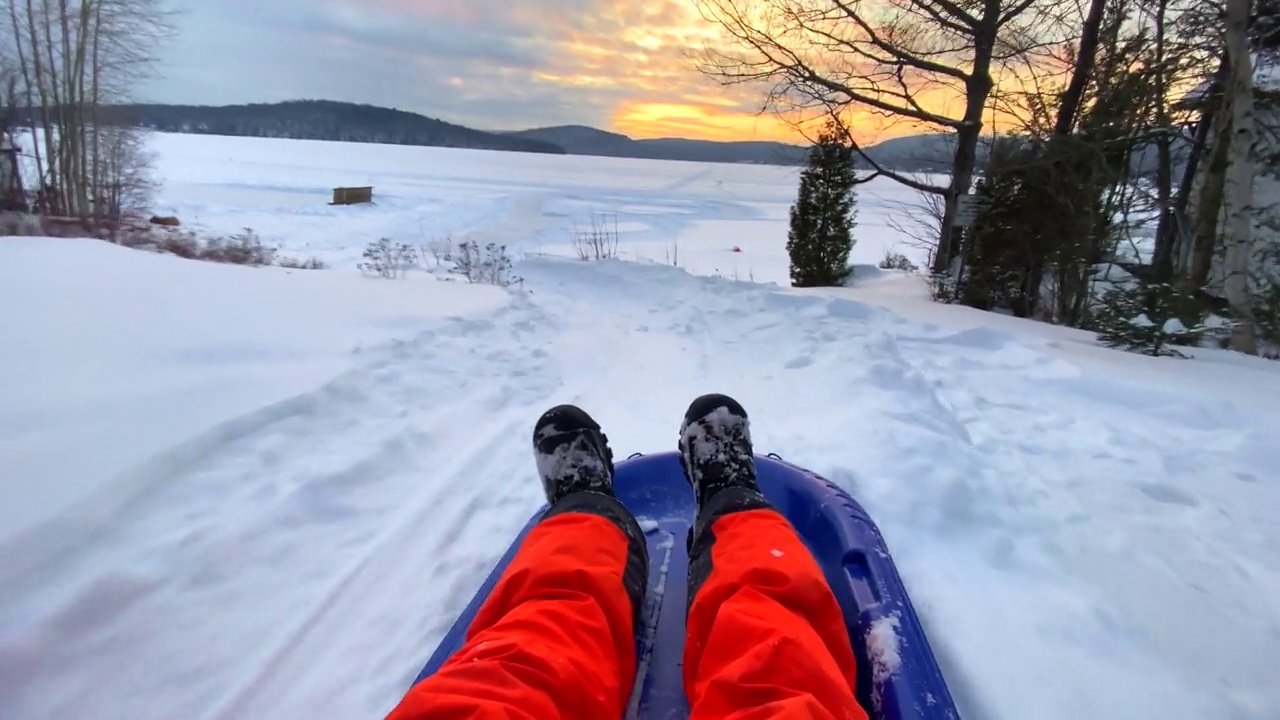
column 822, row 217
column 1149, row 318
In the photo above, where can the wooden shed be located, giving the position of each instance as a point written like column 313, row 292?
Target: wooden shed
column 352, row 195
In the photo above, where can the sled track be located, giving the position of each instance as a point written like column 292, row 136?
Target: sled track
column 435, row 499
column 485, row 482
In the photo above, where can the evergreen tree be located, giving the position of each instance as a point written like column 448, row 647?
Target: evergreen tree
column 1149, row 318
column 822, row 217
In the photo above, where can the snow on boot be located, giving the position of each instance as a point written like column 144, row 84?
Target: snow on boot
column 715, row 447
column 572, row 453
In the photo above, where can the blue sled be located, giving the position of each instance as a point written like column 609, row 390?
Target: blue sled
column 841, row 536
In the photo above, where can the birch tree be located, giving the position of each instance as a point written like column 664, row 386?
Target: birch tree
column 1238, row 198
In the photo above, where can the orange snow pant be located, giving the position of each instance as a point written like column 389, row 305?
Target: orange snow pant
column 556, row 637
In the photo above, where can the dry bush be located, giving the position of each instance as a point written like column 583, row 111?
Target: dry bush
column 440, row 251
column 244, row 248
column 599, row 240
column 490, row 265
column 183, row 245
column 389, row 260
column 312, row 263
column 894, row 260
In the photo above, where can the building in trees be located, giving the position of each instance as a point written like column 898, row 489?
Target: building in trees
column 822, row 217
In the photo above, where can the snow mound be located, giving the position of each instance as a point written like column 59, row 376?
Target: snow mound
column 113, row 356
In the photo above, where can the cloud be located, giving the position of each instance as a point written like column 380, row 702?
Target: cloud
column 616, row 64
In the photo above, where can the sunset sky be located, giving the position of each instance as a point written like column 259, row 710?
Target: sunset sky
column 493, row 64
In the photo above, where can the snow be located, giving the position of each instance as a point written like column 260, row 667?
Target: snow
column 234, row 493
column 884, row 648
column 129, row 354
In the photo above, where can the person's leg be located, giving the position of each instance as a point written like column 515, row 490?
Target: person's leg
column 556, row 638
column 765, row 635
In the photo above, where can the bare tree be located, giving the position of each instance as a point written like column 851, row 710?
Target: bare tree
column 76, row 58
column 1074, row 96
column 884, row 56
column 1239, row 189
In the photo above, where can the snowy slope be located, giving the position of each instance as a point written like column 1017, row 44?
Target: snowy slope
column 1086, row 533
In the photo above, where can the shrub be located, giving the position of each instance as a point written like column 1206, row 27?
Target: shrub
column 599, row 241
column 488, row 266
column 439, row 250
column 1149, row 318
column 182, row 245
column 312, row 263
column 388, row 260
column 894, row 260
column 241, row 249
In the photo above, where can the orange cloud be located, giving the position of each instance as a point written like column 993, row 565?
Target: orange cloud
column 641, row 53
column 628, row 64
column 726, row 120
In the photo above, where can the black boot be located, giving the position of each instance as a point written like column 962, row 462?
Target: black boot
column 576, row 467
column 715, row 447
column 572, row 453
column 719, row 462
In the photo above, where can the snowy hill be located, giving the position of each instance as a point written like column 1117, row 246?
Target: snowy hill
column 582, row 140
column 248, row 493
column 323, row 120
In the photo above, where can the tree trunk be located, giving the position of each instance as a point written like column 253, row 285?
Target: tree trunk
column 1239, row 189
column 1179, row 232
column 1162, row 259
column 48, row 181
column 95, row 172
column 84, row 31
column 1069, row 106
column 1209, row 205
column 29, row 87
column 977, row 88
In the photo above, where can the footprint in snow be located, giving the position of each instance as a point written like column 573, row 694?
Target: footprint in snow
column 1168, row 495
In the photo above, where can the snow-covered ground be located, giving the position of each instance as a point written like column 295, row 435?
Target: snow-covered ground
column 254, row 493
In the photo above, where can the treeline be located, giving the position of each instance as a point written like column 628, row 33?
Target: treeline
column 326, row 120
column 1135, row 187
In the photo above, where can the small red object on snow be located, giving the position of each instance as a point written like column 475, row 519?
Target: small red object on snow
column 737, row 249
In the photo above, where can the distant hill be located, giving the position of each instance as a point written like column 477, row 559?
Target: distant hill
column 927, row 153
column 918, row 153
column 934, row 153
column 326, row 120
column 582, row 140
